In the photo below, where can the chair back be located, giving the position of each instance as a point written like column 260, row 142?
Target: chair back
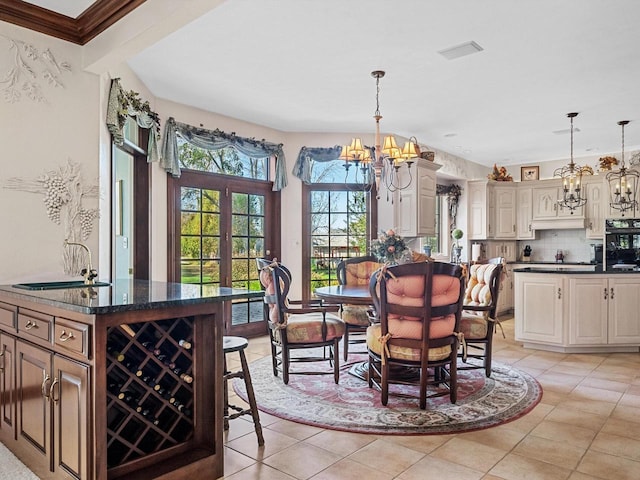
column 496, row 261
column 483, row 286
column 418, row 301
column 357, row 270
column 275, row 280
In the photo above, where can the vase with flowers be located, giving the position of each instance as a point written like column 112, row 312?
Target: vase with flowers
column 457, row 234
column 390, row 249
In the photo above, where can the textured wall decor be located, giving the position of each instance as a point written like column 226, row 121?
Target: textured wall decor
column 63, row 190
column 24, row 70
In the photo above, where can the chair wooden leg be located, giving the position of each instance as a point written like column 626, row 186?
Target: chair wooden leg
column 384, row 383
column 346, row 342
column 370, row 371
column 424, row 376
column 285, row 365
column 251, row 397
column 336, row 359
column 453, row 376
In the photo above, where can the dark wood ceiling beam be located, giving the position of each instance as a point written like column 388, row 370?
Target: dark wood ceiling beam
column 93, row 21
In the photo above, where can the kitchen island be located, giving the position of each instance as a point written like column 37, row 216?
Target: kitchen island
column 577, row 310
column 114, row 381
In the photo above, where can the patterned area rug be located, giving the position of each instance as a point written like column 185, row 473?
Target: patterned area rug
column 354, row 407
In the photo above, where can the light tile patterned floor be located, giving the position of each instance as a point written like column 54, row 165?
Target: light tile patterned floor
column 587, row 426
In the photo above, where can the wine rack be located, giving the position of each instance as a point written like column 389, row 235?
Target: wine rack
column 149, row 388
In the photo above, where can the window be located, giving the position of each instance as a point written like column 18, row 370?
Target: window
column 227, row 161
column 337, row 222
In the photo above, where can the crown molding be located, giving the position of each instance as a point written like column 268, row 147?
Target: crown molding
column 93, row 21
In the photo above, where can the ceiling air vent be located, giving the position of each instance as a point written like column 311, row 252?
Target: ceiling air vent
column 460, row 50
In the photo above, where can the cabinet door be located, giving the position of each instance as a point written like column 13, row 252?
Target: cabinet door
column 538, row 308
column 70, row 399
column 545, row 203
column 405, row 211
column 7, row 387
column 587, row 306
column 504, row 225
column 33, row 368
column 624, row 305
column 426, row 202
column 596, row 199
column 477, row 221
column 525, row 213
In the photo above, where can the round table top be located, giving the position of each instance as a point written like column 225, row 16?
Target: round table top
column 353, row 294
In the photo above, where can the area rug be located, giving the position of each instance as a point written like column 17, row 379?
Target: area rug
column 354, row 407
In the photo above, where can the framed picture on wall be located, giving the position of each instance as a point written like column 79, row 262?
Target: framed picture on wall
column 529, row 173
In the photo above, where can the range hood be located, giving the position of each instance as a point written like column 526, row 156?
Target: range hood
column 559, row 223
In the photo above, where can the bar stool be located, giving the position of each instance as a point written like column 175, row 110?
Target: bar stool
column 238, row 344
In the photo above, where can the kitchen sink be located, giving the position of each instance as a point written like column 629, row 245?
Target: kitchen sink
column 58, row 285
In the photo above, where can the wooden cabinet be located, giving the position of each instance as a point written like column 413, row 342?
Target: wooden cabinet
column 415, row 207
column 7, row 387
column 492, row 210
column 538, row 308
column 505, row 297
column 597, row 201
column 524, row 217
column 53, row 410
column 624, row 305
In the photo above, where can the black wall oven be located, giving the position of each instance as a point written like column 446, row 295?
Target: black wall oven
column 622, row 244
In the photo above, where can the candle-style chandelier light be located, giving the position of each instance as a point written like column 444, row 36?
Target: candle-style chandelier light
column 623, row 184
column 385, row 159
column 573, row 194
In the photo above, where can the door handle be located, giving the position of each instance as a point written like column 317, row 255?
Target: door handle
column 51, row 390
column 611, row 294
column 29, row 325
column 43, row 387
column 605, row 293
column 559, row 293
column 2, row 358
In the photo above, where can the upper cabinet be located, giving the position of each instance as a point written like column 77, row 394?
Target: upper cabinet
column 492, row 210
column 597, row 202
column 524, row 217
column 548, row 213
column 414, row 207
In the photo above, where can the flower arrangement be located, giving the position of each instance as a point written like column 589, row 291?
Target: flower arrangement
column 499, row 174
column 390, row 248
column 606, row 163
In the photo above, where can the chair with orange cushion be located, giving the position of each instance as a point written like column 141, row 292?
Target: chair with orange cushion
column 419, row 306
column 297, row 325
column 356, row 271
column 478, row 319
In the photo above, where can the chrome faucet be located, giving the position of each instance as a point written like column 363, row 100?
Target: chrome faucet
column 88, row 273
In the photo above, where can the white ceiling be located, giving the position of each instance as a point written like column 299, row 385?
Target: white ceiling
column 304, row 66
column 70, row 8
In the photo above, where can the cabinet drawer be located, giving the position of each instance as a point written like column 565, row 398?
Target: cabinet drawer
column 8, row 315
column 34, row 323
column 71, row 336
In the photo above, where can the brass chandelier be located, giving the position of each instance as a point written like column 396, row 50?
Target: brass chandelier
column 386, row 159
column 573, row 194
column 623, row 184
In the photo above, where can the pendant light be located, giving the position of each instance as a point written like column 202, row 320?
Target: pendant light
column 623, row 184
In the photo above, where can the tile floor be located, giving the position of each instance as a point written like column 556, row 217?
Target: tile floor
column 587, row 426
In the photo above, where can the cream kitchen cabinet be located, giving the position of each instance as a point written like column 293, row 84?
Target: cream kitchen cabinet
column 548, row 213
column 538, row 308
column 604, row 311
column 492, row 210
column 524, row 217
column 597, row 202
column 505, row 297
column 502, row 249
column 414, row 207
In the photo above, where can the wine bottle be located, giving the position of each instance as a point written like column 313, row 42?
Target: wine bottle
column 127, row 397
column 185, row 344
column 186, row 378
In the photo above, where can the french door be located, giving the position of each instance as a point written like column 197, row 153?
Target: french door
column 219, row 225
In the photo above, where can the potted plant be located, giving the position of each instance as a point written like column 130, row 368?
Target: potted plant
column 457, row 234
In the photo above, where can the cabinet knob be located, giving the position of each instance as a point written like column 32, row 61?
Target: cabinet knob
column 2, row 357
column 605, row 293
column 29, row 325
column 559, row 293
column 43, row 387
column 611, row 293
column 64, row 336
column 51, row 390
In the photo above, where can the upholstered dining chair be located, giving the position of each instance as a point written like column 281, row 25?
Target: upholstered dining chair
column 478, row 319
column 356, row 271
column 419, row 306
column 297, row 325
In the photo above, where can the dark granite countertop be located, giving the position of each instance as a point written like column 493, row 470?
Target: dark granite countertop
column 127, row 295
column 536, row 262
